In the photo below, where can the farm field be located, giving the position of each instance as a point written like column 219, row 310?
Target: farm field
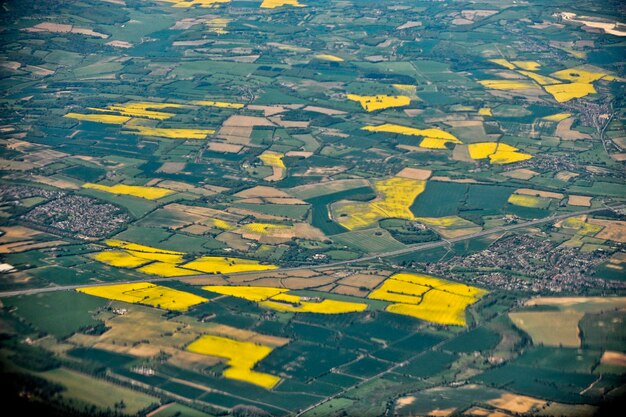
column 285, row 208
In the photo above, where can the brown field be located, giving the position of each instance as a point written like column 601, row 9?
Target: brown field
column 61, row 28
column 304, row 154
column 550, row 328
column 55, row 182
column 415, row 173
column 613, row 230
column 591, row 304
column 328, row 187
column 619, row 156
column 579, row 200
column 517, row 403
column 566, row 175
column 16, row 247
column 171, row 167
column 246, row 121
column 245, row 212
column 11, row 165
column 234, row 241
column 228, row 147
column 521, row 174
column 613, row 358
column 262, row 191
column 196, row 229
column 347, row 290
column 545, row 194
column 461, row 153
column 565, row 132
column 289, row 123
column 267, row 110
column 204, row 280
column 239, row 135
column 120, row 44
column 363, row 280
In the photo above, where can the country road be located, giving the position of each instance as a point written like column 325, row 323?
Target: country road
column 409, row 249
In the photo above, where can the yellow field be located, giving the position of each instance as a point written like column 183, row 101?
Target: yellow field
column 296, row 304
column 218, row 25
column 277, row 299
column 272, row 159
column 328, row 57
column 241, row 357
column 526, row 200
column 220, row 224
column 99, row 118
column 201, row 3
column 508, row 84
column 407, row 89
column 146, row 293
column 579, row 223
column 170, row 263
column 223, row 265
column 272, row 4
column 566, row 92
column 498, row 153
column 527, row 65
column 395, row 198
column 485, row 111
column 249, row 293
column 578, row 75
column 373, row 103
column 538, row 78
column 119, row 259
column 557, row 117
column 264, row 228
column 433, row 138
column 427, row 298
column 114, row 243
column 171, row 133
column 141, row 109
column 149, row 193
column 221, row 104
column 504, row 63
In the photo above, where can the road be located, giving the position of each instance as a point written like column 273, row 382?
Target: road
column 408, row 249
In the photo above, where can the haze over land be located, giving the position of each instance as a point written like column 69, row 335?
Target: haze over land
column 312, row 208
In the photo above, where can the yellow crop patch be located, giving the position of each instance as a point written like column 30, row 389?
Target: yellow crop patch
column 149, row 193
column 567, row 92
column 527, row 65
column 508, row 84
column 579, row 224
column 373, row 103
column 114, row 243
column 557, row 117
column 433, row 138
column 407, row 89
column 297, row 304
column 328, row 57
column 272, row 4
column 241, row 358
column 146, row 293
column 265, row 228
column 221, row 104
column 526, row 201
column 119, row 259
column 223, row 265
column 111, row 119
column 538, row 78
column 220, row 224
column 485, row 111
column 171, row 133
column 395, row 196
column 277, row 299
column 427, row 298
column 141, row 109
column 446, row 222
column 578, row 75
column 249, row 293
column 504, row 63
column 498, row 153
column 272, row 159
